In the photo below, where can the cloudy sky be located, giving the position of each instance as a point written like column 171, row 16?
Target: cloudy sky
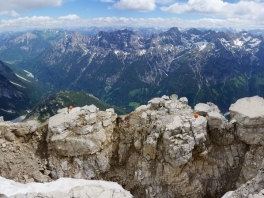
column 31, row 14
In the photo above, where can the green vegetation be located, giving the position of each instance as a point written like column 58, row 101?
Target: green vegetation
column 51, row 104
column 134, row 104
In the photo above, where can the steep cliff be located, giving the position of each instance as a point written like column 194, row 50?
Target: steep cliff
column 159, row 150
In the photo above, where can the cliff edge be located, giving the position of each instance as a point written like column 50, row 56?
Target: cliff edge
column 159, row 150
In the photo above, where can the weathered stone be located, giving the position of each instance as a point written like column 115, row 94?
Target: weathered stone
column 159, row 150
column 91, row 118
column 138, row 145
column 26, row 128
column 9, row 136
column 90, row 108
column 202, row 109
column 165, row 97
column 157, row 103
column 248, row 113
column 184, row 100
column 216, row 120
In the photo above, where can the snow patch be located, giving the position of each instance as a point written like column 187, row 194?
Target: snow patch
column 254, row 42
column 63, row 185
column 22, row 78
column 17, row 84
column 29, row 74
column 116, row 52
column 8, row 111
column 142, row 52
column 201, row 45
column 246, row 39
column 163, row 72
column 238, row 42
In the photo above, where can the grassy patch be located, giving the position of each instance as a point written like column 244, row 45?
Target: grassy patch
column 134, row 104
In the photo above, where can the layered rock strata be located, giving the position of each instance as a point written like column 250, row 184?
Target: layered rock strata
column 159, row 150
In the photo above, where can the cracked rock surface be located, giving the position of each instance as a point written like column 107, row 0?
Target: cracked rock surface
column 158, row 150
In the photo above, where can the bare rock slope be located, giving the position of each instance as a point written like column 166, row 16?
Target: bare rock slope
column 159, row 150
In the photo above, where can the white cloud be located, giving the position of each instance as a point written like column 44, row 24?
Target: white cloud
column 13, row 13
column 247, row 9
column 136, row 5
column 11, row 7
column 73, row 21
column 69, row 17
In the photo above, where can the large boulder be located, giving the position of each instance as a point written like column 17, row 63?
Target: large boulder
column 248, row 114
column 81, row 131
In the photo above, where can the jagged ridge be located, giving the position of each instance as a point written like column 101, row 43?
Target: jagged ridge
column 159, row 150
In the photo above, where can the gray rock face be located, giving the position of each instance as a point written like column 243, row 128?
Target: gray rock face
column 159, row 150
column 249, row 117
column 82, row 131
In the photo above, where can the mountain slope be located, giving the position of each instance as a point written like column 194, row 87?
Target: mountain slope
column 126, row 69
column 49, row 105
column 27, row 45
column 13, row 98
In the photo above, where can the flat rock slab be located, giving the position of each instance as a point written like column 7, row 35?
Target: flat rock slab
column 248, row 111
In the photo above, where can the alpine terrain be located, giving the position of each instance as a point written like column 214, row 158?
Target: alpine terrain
column 126, row 68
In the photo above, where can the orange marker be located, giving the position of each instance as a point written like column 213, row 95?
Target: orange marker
column 196, row 115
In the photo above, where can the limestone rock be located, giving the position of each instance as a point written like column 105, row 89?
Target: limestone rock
column 216, row 120
column 253, row 188
column 203, row 109
column 80, row 132
column 9, row 136
column 158, row 150
column 248, row 113
column 184, row 100
column 156, row 102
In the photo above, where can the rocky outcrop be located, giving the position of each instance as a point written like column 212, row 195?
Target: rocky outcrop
column 248, row 115
column 159, row 150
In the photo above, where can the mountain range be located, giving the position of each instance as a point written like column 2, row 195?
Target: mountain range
column 126, row 67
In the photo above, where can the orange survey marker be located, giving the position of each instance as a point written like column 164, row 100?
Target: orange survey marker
column 196, row 115
column 69, row 108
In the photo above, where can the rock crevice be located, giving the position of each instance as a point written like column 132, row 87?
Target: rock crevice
column 158, row 150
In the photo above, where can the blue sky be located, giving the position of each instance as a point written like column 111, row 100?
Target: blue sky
column 30, row 14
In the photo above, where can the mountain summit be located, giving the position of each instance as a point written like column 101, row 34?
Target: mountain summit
column 125, row 69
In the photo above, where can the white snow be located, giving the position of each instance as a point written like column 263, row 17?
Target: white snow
column 142, row 52
column 201, row 45
column 238, row 42
column 254, row 42
column 17, row 84
column 201, row 48
column 163, row 72
column 29, row 74
column 116, row 52
column 63, row 185
column 246, row 39
column 9, row 111
column 22, row 78
column 193, row 36
column 19, row 119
